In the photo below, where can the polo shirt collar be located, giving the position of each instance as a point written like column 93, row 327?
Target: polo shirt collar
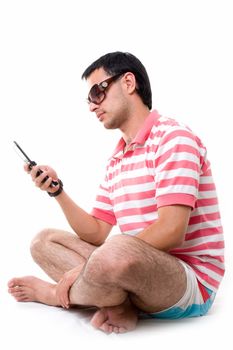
column 141, row 136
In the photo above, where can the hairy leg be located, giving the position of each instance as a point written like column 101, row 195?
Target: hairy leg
column 122, row 275
column 127, row 269
column 56, row 252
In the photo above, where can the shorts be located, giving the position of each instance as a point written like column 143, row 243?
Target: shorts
column 196, row 301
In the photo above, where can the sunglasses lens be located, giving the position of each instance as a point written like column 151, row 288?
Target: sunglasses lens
column 95, row 95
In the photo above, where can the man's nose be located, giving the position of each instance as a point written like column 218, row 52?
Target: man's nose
column 93, row 106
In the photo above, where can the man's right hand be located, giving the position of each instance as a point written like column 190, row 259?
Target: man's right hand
column 40, row 180
column 64, row 285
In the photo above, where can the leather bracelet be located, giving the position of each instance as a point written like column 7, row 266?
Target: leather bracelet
column 55, row 194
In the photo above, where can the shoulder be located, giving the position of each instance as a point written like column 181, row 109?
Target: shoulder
column 168, row 130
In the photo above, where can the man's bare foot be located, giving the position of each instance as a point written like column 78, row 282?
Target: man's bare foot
column 117, row 319
column 30, row 288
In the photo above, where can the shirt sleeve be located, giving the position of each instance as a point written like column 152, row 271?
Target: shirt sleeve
column 102, row 208
column 177, row 168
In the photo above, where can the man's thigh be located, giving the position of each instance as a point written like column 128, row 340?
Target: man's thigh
column 65, row 239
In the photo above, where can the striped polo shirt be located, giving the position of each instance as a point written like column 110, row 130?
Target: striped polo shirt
column 166, row 164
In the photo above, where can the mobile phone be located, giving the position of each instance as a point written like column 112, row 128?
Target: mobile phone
column 31, row 163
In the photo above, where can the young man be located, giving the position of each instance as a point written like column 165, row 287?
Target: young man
column 168, row 261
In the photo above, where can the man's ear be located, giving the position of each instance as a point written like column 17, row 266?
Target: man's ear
column 130, row 82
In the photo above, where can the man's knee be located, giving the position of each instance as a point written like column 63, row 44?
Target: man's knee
column 38, row 243
column 111, row 262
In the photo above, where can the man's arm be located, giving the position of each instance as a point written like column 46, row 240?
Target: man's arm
column 169, row 230
column 86, row 226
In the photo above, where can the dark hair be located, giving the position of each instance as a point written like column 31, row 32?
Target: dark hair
column 122, row 62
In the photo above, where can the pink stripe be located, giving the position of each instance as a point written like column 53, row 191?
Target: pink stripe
column 205, row 247
column 134, row 196
column 203, row 218
column 130, row 167
column 136, row 152
column 176, row 198
column 179, row 180
column 184, row 164
column 133, row 181
column 135, row 166
column 135, row 226
column 197, row 262
column 205, row 168
column 207, row 187
column 207, row 278
column 158, row 133
column 103, row 199
column 206, row 202
column 136, row 211
column 177, row 134
column 104, row 215
column 204, row 232
column 179, row 148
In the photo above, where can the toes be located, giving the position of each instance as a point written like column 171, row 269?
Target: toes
column 19, row 295
column 98, row 319
column 15, row 282
column 107, row 328
column 15, row 289
column 11, row 283
column 122, row 330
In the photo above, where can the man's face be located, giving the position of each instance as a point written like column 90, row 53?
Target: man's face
column 107, row 98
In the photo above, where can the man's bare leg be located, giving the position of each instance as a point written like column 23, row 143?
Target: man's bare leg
column 56, row 252
column 124, row 274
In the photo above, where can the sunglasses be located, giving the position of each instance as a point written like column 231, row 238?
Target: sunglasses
column 98, row 91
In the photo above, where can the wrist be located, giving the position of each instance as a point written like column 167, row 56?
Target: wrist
column 56, row 193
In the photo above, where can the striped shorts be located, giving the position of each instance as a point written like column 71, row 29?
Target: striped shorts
column 196, row 301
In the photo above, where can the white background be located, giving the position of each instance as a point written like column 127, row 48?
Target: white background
column 45, row 46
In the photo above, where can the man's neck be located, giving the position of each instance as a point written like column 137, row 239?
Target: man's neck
column 134, row 124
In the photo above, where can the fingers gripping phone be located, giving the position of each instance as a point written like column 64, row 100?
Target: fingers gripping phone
column 31, row 163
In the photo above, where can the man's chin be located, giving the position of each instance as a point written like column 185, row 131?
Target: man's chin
column 109, row 126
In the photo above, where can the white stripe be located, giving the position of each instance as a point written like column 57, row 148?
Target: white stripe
column 134, row 231
column 210, row 209
column 180, row 156
column 206, row 194
column 210, row 252
column 102, row 205
column 134, row 204
column 160, row 128
column 209, row 272
column 132, row 219
column 212, row 261
column 132, row 174
column 206, row 284
column 184, row 172
column 134, row 189
column 206, row 180
column 181, row 189
column 181, row 140
column 202, row 225
column 103, row 192
column 207, row 259
column 201, row 240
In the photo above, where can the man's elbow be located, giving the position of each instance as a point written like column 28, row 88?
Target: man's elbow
column 177, row 238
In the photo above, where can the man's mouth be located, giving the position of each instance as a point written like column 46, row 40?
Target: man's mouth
column 100, row 115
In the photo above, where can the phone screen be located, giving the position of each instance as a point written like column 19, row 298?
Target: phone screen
column 23, row 155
